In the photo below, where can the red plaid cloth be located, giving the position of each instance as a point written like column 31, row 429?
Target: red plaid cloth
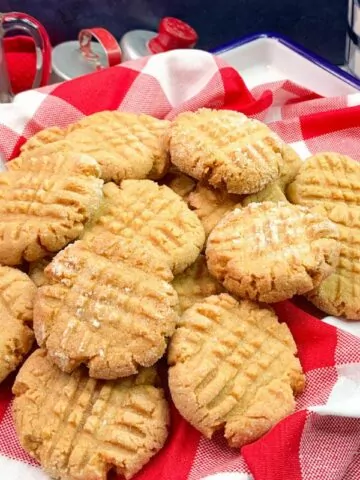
column 321, row 440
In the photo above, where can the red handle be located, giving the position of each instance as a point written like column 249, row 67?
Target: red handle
column 106, row 40
column 173, row 33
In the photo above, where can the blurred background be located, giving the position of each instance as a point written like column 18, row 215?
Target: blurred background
column 319, row 25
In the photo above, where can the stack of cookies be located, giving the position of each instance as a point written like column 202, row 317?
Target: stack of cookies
column 110, row 271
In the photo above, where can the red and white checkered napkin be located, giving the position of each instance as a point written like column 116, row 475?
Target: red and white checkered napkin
column 321, row 441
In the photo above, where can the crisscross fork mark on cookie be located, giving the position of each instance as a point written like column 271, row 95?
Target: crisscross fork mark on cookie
column 53, row 161
column 41, row 214
column 226, row 149
column 233, row 366
column 42, row 138
column 81, row 428
column 41, row 210
column 271, row 251
column 126, row 145
column 153, row 215
column 111, row 316
column 339, row 293
column 327, row 178
column 330, row 184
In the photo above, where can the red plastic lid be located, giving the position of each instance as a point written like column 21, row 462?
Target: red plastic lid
column 173, row 33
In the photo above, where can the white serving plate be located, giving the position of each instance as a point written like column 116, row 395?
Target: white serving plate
column 268, row 58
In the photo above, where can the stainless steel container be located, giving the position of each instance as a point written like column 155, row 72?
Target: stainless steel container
column 76, row 58
column 68, row 61
column 352, row 53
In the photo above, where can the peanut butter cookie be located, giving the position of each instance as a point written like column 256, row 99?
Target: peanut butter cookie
column 79, row 428
column 17, row 294
column 233, row 366
column 151, row 215
column 226, row 149
column 330, row 184
column 44, row 203
column 106, row 306
column 126, row 145
column 271, row 251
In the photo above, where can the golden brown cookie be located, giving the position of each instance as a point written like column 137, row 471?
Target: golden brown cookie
column 233, row 367
column 330, row 184
column 126, row 145
column 106, row 307
column 80, row 428
column 44, row 203
column 133, row 138
column 36, row 271
column 275, row 191
column 195, row 284
column 17, row 294
column 153, row 215
column 210, row 205
column 42, row 138
column 226, row 149
column 269, row 252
